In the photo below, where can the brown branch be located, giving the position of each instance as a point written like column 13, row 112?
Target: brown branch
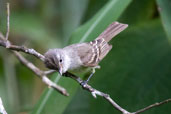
column 30, row 65
column 40, row 73
column 95, row 92
column 4, row 42
column 22, row 49
column 152, row 106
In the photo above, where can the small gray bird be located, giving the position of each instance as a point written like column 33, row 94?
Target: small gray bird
column 83, row 57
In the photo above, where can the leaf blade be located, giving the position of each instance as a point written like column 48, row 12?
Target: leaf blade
column 164, row 9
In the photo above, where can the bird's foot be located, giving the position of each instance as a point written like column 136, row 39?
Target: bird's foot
column 84, row 83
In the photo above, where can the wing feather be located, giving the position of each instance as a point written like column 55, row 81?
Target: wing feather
column 93, row 52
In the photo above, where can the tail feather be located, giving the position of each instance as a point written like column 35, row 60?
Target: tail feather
column 100, row 46
column 112, row 30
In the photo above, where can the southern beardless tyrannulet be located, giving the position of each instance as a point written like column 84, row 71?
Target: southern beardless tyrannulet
column 82, row 56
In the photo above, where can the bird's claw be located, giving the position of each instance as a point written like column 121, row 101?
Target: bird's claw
column 84, row 83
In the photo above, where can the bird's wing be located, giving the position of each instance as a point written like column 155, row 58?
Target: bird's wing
column 92, row 53
column 86, row 54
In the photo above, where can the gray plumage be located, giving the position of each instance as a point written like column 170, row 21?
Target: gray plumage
column 75, row 57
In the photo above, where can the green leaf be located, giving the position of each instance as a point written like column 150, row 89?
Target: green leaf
column 109, row 13
column 136, row 73
column 72, row 13
column 51, row 101
column 93, row 7
column 11, row 79
column 27, row 86
column 164, row 7
column 139, row 12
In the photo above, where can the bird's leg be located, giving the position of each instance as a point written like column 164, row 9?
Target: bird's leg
column 84, row 82
column 93, row 71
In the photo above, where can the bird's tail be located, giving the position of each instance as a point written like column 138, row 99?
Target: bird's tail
column 112, row 30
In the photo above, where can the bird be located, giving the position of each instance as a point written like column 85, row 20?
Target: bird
column 83, row 57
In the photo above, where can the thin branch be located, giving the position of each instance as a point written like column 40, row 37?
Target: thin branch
column 22, row 49
column 2, row 109
column 95, row 92
column 40, row 73
column 152, row 106
column 49, row 72
column 5, row 43
column 8, row 21
column 1, row 36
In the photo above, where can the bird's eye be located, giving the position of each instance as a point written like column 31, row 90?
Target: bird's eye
column 60, row 60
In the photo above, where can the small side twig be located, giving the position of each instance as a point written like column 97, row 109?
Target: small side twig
column 8, row 21
column 49, row 72
column 2, row 109
column 152, row 106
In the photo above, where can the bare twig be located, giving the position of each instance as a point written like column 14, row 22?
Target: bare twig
column 22, row 49
column 152, row 106
column 8, row 21
column 40, row 73
column 95, row 92
column 31, row 66
column 2, row 109
column 1, row 36
column 49, row 72
column 6, row 43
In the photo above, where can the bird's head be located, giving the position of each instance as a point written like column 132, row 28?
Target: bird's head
column 56, row 59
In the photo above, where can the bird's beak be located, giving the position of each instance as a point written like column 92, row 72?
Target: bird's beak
column 60, row 69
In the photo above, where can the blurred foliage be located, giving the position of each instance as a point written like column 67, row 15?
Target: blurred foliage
column 164, row 9
column 136, row 73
